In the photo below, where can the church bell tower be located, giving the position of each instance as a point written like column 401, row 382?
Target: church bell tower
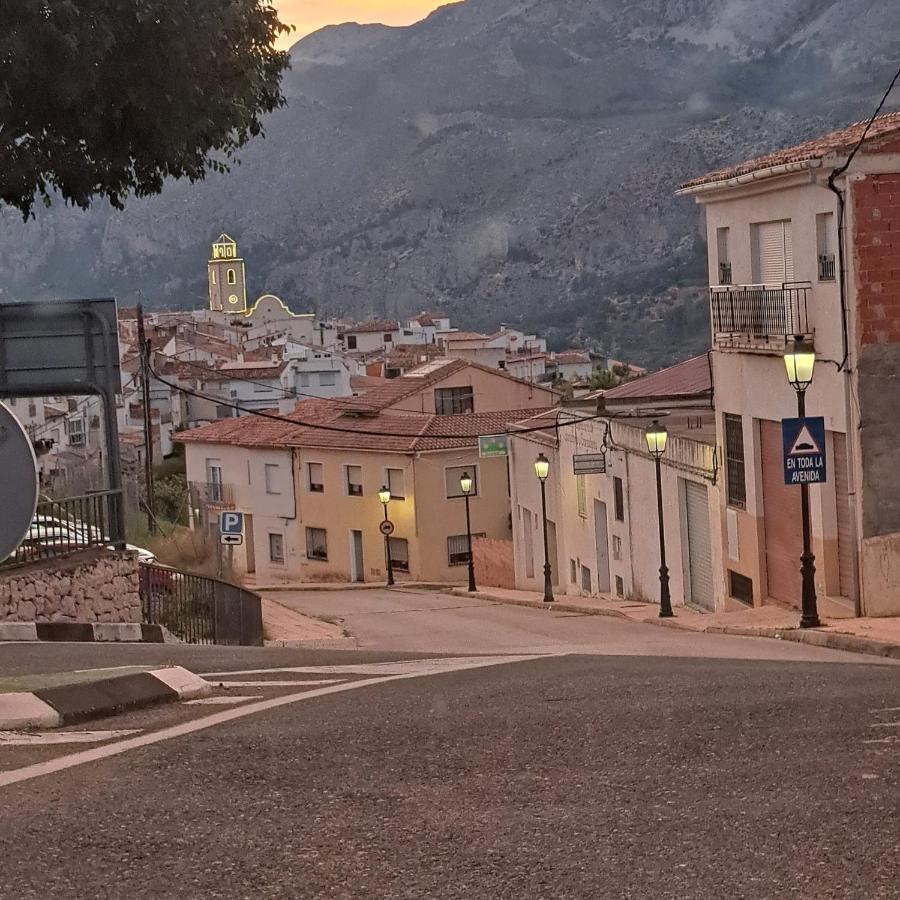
column 227, row 279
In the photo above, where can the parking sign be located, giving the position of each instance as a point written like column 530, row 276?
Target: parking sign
column 231, row 522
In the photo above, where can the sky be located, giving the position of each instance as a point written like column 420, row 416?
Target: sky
column 310, row 15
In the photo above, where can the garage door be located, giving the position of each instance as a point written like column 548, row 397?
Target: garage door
column 699, row 545
column 781, row 519
column 844, row 528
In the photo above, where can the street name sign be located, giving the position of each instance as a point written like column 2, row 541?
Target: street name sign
column 589, row 463
column 231, row 523
column 493, row 445
column 805, row 460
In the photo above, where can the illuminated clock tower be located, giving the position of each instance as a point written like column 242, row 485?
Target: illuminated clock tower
column 227, row 280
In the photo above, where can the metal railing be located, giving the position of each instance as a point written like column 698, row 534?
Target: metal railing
column 212, row 494
column 826, row 267
column 759, row 312
column 724, row 273
column 67, row 526
column 200, row 610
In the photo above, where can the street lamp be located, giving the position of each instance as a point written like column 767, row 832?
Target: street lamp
column 657, row 436
column 799, row 361
column 384, row 495
column 542, row 470
column 465, row 485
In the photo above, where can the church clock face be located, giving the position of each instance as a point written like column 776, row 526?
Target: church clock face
column 233, row 299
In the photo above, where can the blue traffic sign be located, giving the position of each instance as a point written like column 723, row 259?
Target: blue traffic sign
column 231, row 523
column 805, row 460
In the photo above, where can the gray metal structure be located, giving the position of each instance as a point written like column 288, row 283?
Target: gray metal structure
column 68, row 347
column 18, row 482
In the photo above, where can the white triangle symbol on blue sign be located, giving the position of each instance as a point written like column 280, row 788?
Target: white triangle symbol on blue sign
column 805, row 444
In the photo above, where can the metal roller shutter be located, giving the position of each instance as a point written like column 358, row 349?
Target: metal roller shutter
column 845, row 532
column 699, row 545
column 776, row 252
column 781, row 519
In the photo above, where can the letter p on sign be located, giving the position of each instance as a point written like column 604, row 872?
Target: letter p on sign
column 231, row 523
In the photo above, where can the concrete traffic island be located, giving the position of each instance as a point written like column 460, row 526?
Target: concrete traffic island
column 67, row 698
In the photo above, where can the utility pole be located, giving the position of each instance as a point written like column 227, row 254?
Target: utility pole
column 144, row 350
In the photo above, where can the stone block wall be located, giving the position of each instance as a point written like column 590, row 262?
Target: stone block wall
column 494, row 565
column 91, row 586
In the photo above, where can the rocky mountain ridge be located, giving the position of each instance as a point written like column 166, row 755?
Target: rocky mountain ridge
column 505, row 160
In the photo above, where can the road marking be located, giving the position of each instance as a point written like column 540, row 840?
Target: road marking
column 886, row 709
column 245, row 684
column 885, row 725
column 221, row 701
column 435, row 667
column 887, row 740
column 29, row 739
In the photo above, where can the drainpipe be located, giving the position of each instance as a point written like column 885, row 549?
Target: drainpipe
column 852, row 429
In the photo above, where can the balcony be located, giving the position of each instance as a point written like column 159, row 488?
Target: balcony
column 211, row 495
column 759, row 316
column 826, row 267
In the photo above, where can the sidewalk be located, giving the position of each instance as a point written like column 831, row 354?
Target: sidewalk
column 285, row 627
column 878, row 637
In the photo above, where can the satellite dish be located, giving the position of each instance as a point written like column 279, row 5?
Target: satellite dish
column 18, row 482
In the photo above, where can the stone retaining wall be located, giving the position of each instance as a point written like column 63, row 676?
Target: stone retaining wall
column 91, row 586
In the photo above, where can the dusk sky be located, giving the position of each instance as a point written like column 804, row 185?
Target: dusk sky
column 310, row 15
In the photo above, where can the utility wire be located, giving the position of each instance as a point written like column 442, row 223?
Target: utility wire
column 275, row 417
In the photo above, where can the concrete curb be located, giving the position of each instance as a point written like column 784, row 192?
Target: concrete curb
column 117, row 632
column 833, row 640
column 72, row 703
column 353, row 586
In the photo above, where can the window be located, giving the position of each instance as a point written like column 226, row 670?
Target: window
column 316, row 543
column 573, row 571
column 582, row 497
column 276, row 548
column 453, row 401
column 735, row 486
column 303, row 379
column 315, row 478
column 620, row 586
column 825, row 246
column 273, row 478
column 327, row 379
column 452, row 476
column 212, row 276
column 399, row 554
column 773, row 252
column 75, row 431
column 354, row 480
column 740, row 587
column 32, row 409
column 724, row 258
column 586, row 579
column 214, row 493
column 395, row 483
column 619, row 499
column 388, row 339
column 458, row 548
column 617, row 547
column 232, row 277
column 351, row 341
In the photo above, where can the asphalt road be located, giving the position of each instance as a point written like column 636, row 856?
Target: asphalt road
column 573, row 777
column 428, row 622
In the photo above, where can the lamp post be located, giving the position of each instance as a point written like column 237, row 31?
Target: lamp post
column 799, row 360
column 384, row 495
column 465, row 485
column 657, row 437
column 542, row 470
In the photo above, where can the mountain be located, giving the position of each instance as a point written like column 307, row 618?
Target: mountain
column 504, row 160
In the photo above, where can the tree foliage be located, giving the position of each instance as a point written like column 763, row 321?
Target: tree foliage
column 100, row 98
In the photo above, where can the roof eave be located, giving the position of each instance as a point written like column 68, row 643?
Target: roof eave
column 750, row 177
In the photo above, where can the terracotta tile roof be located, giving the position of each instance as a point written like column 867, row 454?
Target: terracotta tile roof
column 252, row 370
column 464, row 336
column 836, row 143
column 685, row 381
column 393, row 390
column 363, row 383
column 572, row 357
column 386, row 431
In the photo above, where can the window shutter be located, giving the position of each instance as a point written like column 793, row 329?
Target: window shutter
column 776, row 252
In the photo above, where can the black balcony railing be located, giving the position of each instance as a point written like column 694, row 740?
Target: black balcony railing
column 826, row 267
column 724, row 273
column 200, row 610
column 759, row 312
column 211, row 494
column 67, row 526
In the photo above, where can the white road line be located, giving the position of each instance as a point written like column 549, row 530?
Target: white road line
column 50, row 767
column 887, row 740
column 886, row 709
column 221, row 701
column 246, row 684
column 28, row 739
column 885, row 725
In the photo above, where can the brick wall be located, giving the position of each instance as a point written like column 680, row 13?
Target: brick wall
column 494, row 563
column 93, row 586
